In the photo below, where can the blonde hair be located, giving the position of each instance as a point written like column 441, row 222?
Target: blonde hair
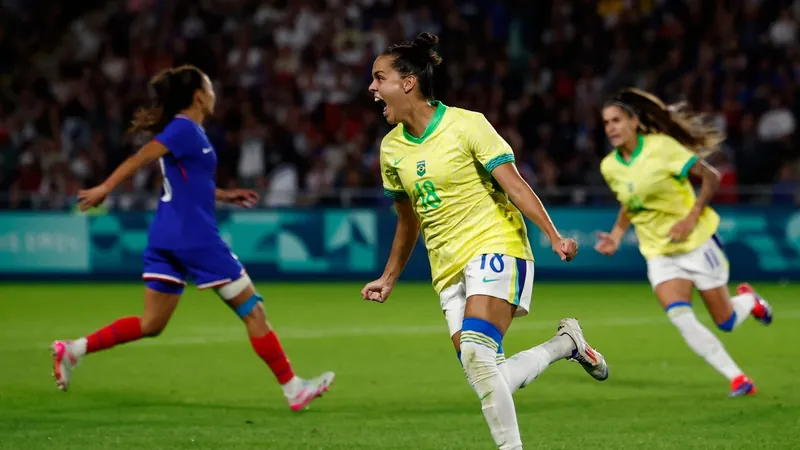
column 676, row 120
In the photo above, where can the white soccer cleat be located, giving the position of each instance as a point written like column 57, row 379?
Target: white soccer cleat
column 592, row 361
column 64, row 361
column 311, row 390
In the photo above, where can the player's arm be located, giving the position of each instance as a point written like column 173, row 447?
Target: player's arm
column 709, row 185
column 496, row 156
column 405, row 237
column 608, row 243
column 146, row 155
column 243, row 197
column 525, row 199
column 681, row 162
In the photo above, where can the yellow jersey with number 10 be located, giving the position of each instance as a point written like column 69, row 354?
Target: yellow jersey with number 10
column 446, row 173
column 654, row 190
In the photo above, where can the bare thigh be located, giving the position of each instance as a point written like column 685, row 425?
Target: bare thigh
column 672, row 291
column 158, row 309
column 494, row 310
column 718, row 303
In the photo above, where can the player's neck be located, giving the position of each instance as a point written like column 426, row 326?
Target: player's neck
column 195, row 115
column 628, row 148
column 419, row 117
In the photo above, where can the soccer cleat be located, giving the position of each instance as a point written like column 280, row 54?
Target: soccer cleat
column 762, row 312
column 741, row 386
column 312, row 389
column 592, row 361
column 64, row 361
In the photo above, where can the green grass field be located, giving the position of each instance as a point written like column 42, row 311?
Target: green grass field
column 398, row 385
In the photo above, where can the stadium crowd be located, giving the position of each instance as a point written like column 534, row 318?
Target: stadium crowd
column 295, row 120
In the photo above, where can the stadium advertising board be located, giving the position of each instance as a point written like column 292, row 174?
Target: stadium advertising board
column 761, row 243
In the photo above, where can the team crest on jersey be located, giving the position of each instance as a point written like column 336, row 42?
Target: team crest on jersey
column 421, row 167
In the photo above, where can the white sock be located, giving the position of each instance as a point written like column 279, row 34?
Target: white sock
column 292, row 387
column 702, row 341
column 480, row 364
column 742, row 306
column 78, row 347
column 521, row 369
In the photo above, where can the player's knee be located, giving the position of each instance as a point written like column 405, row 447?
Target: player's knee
column 250, row 308
column 153, row 326
column 480, row 341
column 728, row 324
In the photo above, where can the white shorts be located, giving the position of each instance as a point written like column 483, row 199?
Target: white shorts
column 495, row 275
column 707, row 267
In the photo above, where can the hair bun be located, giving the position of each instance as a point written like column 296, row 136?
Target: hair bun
column 426, row 41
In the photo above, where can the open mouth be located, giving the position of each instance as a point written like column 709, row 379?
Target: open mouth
column 382, row 104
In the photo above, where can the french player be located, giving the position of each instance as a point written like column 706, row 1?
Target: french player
column 184, row 241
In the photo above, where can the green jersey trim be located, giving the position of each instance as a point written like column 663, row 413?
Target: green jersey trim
column 687, row 167
column 498, row 161
column 395, row 195
column 634, row 155
column 435, row 121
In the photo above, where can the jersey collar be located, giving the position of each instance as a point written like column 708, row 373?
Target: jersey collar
column 434, row 123
column 635, row 153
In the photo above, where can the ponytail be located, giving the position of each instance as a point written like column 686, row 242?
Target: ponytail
column 172, row 91
column 690, row 129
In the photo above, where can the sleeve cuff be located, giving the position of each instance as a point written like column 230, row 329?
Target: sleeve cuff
column 395, row 195
column 498, row 161
column 687, row 167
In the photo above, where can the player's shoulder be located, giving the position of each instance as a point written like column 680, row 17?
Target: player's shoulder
column 465, row 116
column 392, row 139
column 660, row 140
column 609, row 162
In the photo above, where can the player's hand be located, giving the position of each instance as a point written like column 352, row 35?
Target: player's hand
column 241, row 197
column 565, row 248
column 606, row 245
column 682, row 229
column 377, row 291
column 89, row 198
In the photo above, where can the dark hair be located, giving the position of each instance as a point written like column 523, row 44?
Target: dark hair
column 417, row 58
column 172, row 91
column 690, row 129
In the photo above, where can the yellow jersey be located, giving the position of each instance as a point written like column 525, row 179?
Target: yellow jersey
column 655, row 192
column 446, row 173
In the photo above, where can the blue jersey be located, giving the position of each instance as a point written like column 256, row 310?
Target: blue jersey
column 186, row 218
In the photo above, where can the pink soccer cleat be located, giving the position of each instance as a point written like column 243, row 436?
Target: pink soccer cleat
column 311, row 390
column 64, row 361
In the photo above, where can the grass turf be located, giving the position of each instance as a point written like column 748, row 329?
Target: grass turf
column 398, row 385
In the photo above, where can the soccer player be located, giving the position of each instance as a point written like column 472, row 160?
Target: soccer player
column 453, row 176
column 184, row 242
column 648, row 171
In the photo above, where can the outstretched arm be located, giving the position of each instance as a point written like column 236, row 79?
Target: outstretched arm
column 149, row 153
column 608, row 243
column 531, row 206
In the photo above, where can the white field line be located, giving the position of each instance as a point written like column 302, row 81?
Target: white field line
column 221, row 335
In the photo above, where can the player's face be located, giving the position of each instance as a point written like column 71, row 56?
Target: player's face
column 619, row 125
column 207, row 97
column 389, row 88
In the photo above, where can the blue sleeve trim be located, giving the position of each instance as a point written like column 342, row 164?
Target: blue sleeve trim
column 395, row 195
column 498, row 161
column 687, row 167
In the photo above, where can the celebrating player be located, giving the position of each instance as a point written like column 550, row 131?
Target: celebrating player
column 648, row 172
column 184, row 242
column 448, row 172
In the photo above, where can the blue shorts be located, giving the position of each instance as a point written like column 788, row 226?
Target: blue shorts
column 209, row 267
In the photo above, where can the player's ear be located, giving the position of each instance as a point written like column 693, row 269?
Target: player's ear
column 408, row 83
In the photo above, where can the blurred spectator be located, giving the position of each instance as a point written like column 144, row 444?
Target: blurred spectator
column 294, row 118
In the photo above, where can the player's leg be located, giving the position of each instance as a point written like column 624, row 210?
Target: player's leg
column 673, row 287
column 164, row 285
column 711, row 269
column 218, row 269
